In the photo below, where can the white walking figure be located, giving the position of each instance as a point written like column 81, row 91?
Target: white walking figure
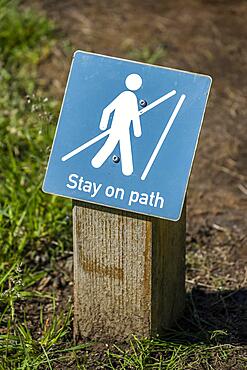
column 125, row 108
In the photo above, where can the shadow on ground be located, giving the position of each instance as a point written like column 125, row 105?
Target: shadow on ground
column 218, row 315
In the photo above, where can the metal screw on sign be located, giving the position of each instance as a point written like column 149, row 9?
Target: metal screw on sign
column 115, row 159
column 143, row 103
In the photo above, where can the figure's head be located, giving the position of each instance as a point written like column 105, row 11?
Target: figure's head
column 133, row 82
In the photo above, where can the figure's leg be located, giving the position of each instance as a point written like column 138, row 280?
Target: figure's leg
column 126, row 155
column 104, row 152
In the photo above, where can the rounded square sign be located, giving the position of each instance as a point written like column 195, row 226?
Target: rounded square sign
column 127, row 135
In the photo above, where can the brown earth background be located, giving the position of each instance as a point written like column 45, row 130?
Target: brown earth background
column 202, row 36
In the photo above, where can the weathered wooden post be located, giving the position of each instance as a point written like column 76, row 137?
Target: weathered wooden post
column 129, row 272
column 129, row 267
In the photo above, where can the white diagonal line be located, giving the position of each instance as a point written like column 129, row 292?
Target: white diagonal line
column 162, row 138
column 156, row 102
column 85, row 145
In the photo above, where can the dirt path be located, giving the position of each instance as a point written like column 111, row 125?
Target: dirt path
column 207, row 36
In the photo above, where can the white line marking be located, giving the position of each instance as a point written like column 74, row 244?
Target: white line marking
column 105, row 133
column 86, row 145
column 157, row 102
column 162, row 138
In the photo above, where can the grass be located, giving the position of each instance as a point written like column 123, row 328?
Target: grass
column 36, row 232
column 157, row 354
column 31, row 223
column 148, row 55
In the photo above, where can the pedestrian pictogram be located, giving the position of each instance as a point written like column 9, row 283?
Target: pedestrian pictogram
column 127, row 135
column 125, row 108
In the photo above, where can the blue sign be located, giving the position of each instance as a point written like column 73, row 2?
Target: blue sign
column 127, row 135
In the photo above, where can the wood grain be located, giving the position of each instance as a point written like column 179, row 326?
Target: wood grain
column 128, row 272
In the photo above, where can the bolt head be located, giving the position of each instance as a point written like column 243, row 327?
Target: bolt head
column 143, row 103
column 115, row 159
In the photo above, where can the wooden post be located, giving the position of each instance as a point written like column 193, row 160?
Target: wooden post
column 129, row 272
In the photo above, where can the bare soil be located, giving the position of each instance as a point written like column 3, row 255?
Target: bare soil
column 206, row 36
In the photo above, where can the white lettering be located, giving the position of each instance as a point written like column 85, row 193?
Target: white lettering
column 143, row 199
column 71, row 176
column 109, row 191
column 120, row 192
column 80, row 183
column 153, row 199
column 87, row 187
column 134, row 196
column 95, row 189
column 157, row 199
